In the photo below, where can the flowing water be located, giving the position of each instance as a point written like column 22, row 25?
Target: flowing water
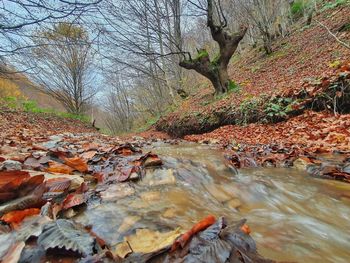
column 293, row 216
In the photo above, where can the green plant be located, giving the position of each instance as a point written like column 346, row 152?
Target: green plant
column 29, row 105
column 32, row 106
column 149, row 123
column 248, row 109
column 297, row 8
column 278, row 108
column 10, row 102
column 233, row 87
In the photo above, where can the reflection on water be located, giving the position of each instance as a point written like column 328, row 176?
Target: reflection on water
column 293, row 217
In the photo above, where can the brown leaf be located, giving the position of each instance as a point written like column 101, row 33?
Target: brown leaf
column 58, row 184
column 88, row 155
column 56, row 167
column 10, row 176
column 77, row 163
column 73, row 200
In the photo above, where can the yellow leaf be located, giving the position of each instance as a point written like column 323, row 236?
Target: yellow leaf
column 146, row 241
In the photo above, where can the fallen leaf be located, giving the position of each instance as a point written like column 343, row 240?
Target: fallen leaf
column 76, row 163
column 60, row 184
column 9, row 176
column 16, row 217
column 88, row 155
column 56, row 167
column 64, row 234
column 246, row 229
column 144, row 241
column 73, row 200
column 200, row 226
column 14, row 253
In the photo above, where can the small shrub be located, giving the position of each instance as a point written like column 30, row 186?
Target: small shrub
column 278, row 109
column 233, row 87
column 10, row 102
column 249, row 110
column 29, row 105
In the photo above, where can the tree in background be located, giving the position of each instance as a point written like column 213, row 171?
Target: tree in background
column 64, row 60
column 119, row 107
column 18, row 17
column 142, row 42
column 216, row 69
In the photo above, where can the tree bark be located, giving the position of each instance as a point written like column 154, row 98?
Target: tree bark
column 216, row 70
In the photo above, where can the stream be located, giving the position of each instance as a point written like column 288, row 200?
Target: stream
column 293, row 217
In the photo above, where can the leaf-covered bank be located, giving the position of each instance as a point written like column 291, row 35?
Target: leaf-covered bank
column 306, row 68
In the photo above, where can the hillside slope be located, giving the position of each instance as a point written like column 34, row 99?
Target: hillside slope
column 306, row 61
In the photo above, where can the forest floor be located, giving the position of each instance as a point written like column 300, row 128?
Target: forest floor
column 296, row 95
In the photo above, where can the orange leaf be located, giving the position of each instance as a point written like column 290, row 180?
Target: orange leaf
column 16, row 217
column 246, row 229
column 56, row 167
column 77, row 163
column 10, row 176
column 200, row 226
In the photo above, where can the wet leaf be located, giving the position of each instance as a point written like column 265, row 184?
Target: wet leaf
column 64, row 234
column 144, row 241
column 200, row 226
column 77, row 163
column 73, row 200
column 14, row 253
column 129, row 173
column 88, row 155
column 28, row 185
column 16, row 217
column 56, row 167
column 20, row 187
column 33, row 200
column 32, row 163
column 148, row 160
column 60, row 184
column 123, row 249
column 10, row 176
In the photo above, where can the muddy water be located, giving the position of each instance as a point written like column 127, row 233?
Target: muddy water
column 293, row 217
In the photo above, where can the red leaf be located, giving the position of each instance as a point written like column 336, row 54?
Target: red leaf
column 73, row 200
column 100, row 177
column 14, row 218
column 9, row 176
column 82, row 188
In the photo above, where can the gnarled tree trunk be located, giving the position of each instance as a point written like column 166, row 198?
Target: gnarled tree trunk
column 216, row 70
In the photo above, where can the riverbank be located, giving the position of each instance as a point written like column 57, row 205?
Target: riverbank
column 305, row 72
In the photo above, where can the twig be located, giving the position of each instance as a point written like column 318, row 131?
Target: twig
column 333, row 35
